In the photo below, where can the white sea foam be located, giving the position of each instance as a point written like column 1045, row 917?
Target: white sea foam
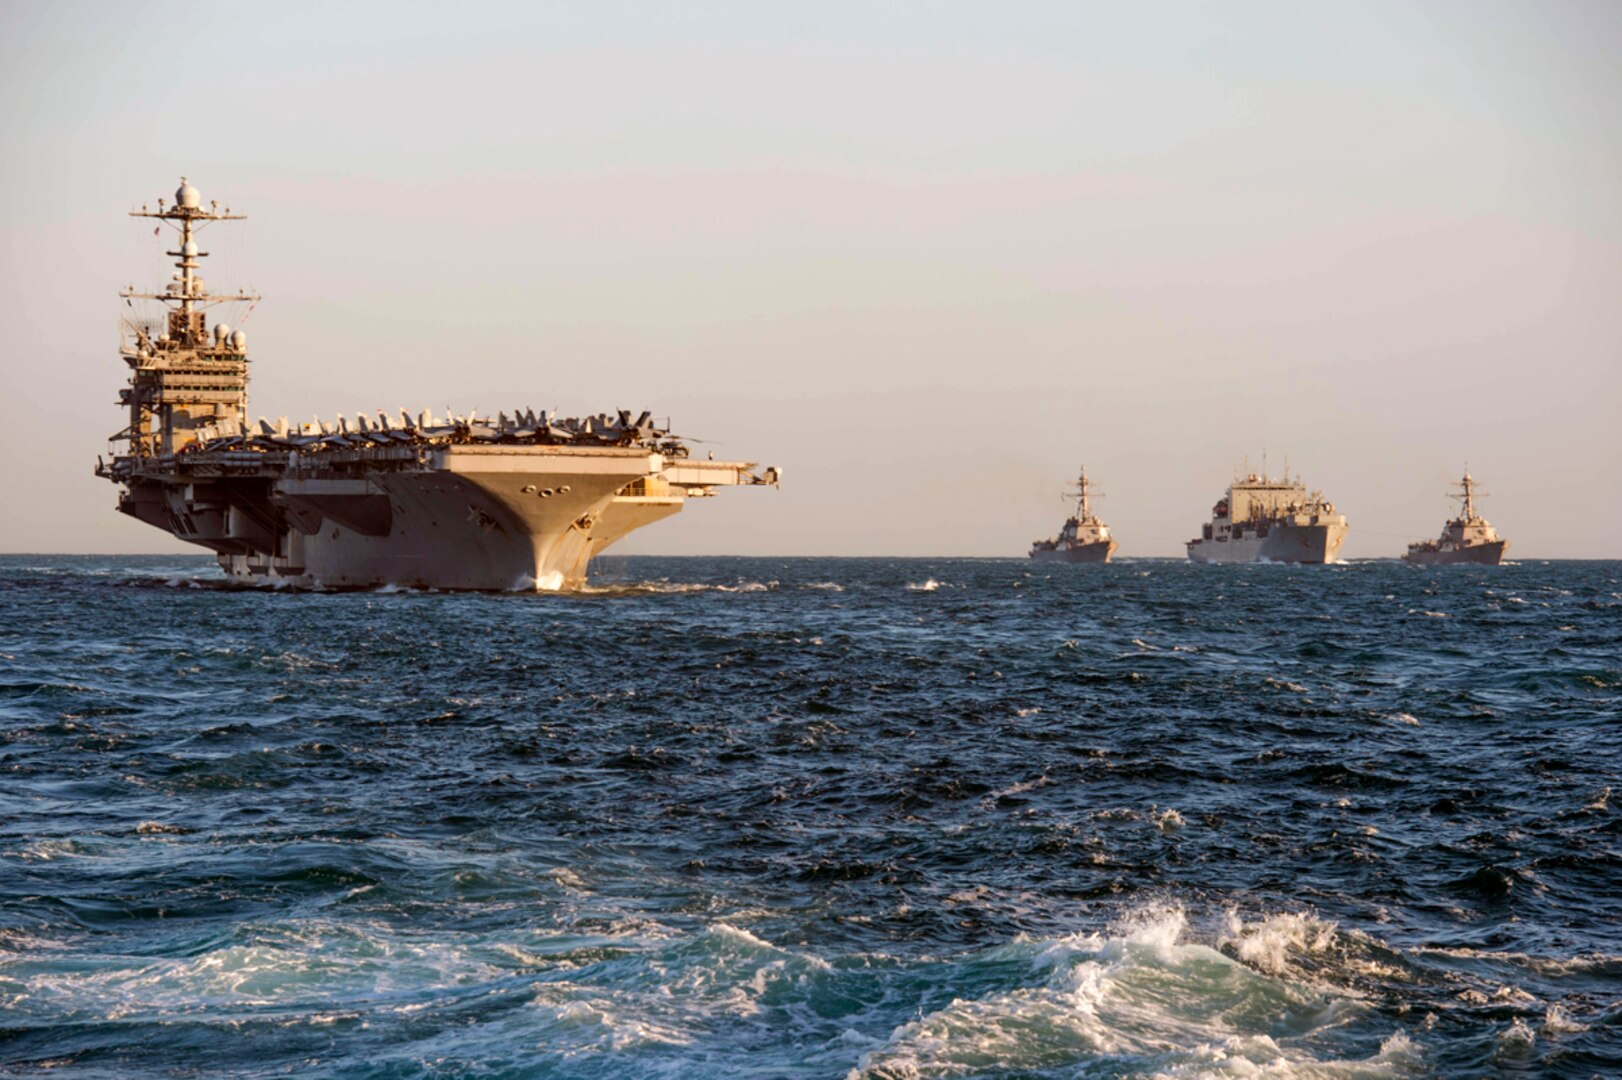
column 1517, row 1037
column 1141, row 1000
column 679, row 588
column 1015, row 789
column 927, row 586
column 1556, row 1022
column 1555, row 966
column 1267, row 945
column 551, row 581
column 1168, row 819
column 565, row 877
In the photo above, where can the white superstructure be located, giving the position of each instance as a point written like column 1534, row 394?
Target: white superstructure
column 1262, row 519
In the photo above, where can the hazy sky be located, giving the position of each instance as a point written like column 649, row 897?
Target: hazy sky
column 925, row 258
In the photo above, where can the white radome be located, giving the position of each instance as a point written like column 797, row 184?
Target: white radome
column 239, row 340
column 187, row 197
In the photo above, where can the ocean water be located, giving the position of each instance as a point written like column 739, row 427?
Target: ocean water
column 815, row 818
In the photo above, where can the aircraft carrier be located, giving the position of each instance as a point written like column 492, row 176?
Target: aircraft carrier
column 1264, row 519
column 1083, row 538
column 1468, row 538
column 518, row 501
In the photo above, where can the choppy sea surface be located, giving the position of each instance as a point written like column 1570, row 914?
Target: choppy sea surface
column 814, row 818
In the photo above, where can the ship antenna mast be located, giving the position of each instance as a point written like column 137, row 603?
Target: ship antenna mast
column 189, row 217
column 1084, row 493
column 181, row 383
column 1467, row 509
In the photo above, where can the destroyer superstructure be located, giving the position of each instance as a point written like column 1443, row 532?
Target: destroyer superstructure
column 1083, row 538
column 1468, row 538
column 1263, row 519
column 456, row 502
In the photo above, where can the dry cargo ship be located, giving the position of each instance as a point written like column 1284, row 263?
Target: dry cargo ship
column 1262, row 519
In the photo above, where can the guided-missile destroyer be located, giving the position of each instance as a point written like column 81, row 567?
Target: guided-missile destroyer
column 1468, row 538
column 511, row 501
column 1270, row 520
column 1082, row 538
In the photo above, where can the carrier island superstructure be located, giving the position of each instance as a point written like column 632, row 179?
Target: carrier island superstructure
column 1265, row 519
column 1468, row 538
column 1083, row 538
column 511, row 501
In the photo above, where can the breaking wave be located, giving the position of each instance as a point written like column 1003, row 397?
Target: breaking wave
column 1141, row 1000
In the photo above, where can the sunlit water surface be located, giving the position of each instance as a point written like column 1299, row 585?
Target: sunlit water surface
column 814, row 818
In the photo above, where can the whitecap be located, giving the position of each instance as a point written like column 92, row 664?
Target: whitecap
column 747, row 586
column 1168, row 819
column 1518, row 1036
column 1556, row 1022
column 928, row 586
column 565, row 877
column 1015, row 789
column 1267, row 945
column 1141, row 999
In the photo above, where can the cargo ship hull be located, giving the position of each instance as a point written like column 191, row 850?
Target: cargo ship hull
column 1282, row 544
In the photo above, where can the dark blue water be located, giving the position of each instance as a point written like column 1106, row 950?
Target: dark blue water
column 888, row 818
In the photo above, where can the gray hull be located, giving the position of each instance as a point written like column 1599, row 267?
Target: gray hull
column 1475, row 555
column 1099, row 552
column 464, row 517
column 1282, row 544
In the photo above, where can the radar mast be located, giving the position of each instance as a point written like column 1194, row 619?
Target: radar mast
column 1083, row 493
column 184, row 388
column 1467, row 496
